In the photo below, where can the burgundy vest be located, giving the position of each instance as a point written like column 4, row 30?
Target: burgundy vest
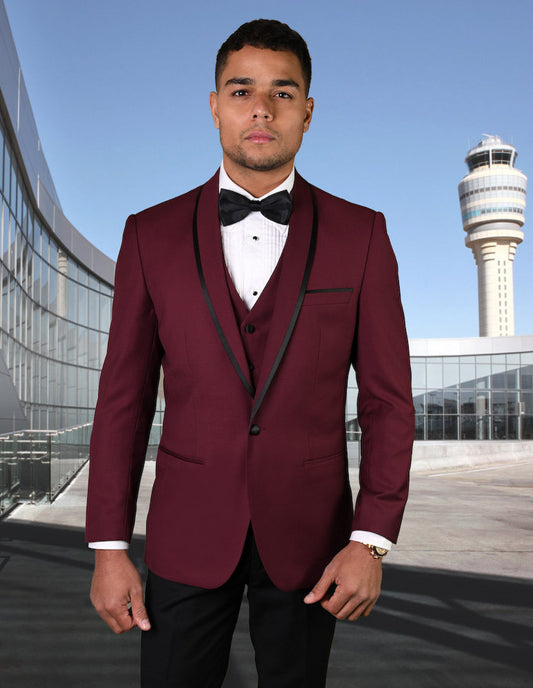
column 254, row 324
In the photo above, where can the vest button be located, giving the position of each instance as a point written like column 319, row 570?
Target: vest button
column 255, row 430
column 249, row 329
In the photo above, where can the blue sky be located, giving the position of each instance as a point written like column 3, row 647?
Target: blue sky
column 120, row 88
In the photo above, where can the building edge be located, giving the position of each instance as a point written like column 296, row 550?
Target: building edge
column 471, row 346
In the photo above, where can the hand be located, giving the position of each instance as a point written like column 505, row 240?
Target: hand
column 357, row 576
column 116, row 591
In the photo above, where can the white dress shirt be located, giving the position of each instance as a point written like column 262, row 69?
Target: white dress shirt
column 252, row 248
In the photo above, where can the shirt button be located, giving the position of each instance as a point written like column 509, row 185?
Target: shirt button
column 255, row 238
column 254, row 293
column 255, row 430
column 249, row 329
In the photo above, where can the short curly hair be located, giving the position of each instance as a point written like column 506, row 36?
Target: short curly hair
column 270, row 34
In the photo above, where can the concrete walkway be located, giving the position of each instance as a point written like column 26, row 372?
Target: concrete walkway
column 456, row 607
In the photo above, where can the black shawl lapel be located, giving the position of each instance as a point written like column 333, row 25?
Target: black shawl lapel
column 210, row 265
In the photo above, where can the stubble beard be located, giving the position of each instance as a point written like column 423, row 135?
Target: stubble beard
column 273, row 162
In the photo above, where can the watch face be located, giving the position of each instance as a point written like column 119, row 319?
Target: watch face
column 381, row 551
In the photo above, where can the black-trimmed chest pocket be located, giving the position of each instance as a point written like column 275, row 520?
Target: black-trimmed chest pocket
column 327, row 297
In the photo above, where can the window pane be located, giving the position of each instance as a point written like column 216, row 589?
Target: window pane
column 434, row 375
column 451, row 428
column 527, row 402
column 434, row 402
column 468, row 427
column 83, row 299
column 451, row 401
column 468, row 375
column 526, row 377
column 419, row 400
column 435, row 427
column 511, row 379
column 451, row 374
column 468, row 401
column 418, row 372
column 419, row 428
column 94, row 310
column 498, row 377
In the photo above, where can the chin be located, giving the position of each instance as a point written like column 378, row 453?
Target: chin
column 262, row 164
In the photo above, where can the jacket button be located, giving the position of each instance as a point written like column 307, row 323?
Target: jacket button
column 255, row 430
column 249, row 329
column 251, row 367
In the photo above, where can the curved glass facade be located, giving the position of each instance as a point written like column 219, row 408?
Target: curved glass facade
column 54, row 315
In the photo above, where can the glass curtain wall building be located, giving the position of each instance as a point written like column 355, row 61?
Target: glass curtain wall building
column 54, row 314
column 57, row 288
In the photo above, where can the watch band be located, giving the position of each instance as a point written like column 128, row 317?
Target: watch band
column 376, row 552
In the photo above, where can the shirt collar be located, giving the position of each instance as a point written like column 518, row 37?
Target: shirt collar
column 224, row 182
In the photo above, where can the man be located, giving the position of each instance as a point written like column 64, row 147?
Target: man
column 255, row 307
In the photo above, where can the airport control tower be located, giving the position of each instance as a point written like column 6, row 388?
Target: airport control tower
column 493, row 204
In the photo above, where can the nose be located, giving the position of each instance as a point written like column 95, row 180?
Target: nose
column 261, row 108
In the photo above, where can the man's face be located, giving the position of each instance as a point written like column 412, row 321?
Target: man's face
column 261, row 110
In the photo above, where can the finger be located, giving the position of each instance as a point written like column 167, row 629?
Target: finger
column 117, row 620
column 369, row 609
column 346, row 604
column 124, row 618
column 110, row 621
column 320, row 590
column 337, row 602
column 362, row 610
column 138, row 611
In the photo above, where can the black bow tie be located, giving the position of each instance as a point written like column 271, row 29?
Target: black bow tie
column 233, row 207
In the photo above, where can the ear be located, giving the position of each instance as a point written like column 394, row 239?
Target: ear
column 213, row 104
column 309, row 107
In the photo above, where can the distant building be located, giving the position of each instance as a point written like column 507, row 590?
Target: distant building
column 493, row 204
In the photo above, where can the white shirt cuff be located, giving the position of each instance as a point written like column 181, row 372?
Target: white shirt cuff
column 109, row 544
column 371, row 539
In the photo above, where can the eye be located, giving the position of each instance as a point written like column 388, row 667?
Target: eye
column 240, row 92
column 283, row 94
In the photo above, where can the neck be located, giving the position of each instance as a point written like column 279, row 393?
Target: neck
column 258, row 183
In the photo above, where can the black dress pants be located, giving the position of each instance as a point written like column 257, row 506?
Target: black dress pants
column 189, row 643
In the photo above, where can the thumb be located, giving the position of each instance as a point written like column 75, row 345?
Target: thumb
column 320, row 589
column 138, row 612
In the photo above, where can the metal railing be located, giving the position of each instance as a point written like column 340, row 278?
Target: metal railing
column 35, row 465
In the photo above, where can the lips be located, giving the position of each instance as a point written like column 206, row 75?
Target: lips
column 259, row 136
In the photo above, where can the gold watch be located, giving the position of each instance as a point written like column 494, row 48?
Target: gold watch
column 376, row 552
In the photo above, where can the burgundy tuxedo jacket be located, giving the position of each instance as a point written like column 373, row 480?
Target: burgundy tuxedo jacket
column 231, row 452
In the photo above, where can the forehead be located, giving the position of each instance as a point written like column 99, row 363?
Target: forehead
column 262, row 64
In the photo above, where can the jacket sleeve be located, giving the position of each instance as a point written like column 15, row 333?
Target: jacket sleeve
column 127, row 397
column 385, row 405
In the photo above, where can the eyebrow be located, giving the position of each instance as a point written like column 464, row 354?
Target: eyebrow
column 246, row 81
